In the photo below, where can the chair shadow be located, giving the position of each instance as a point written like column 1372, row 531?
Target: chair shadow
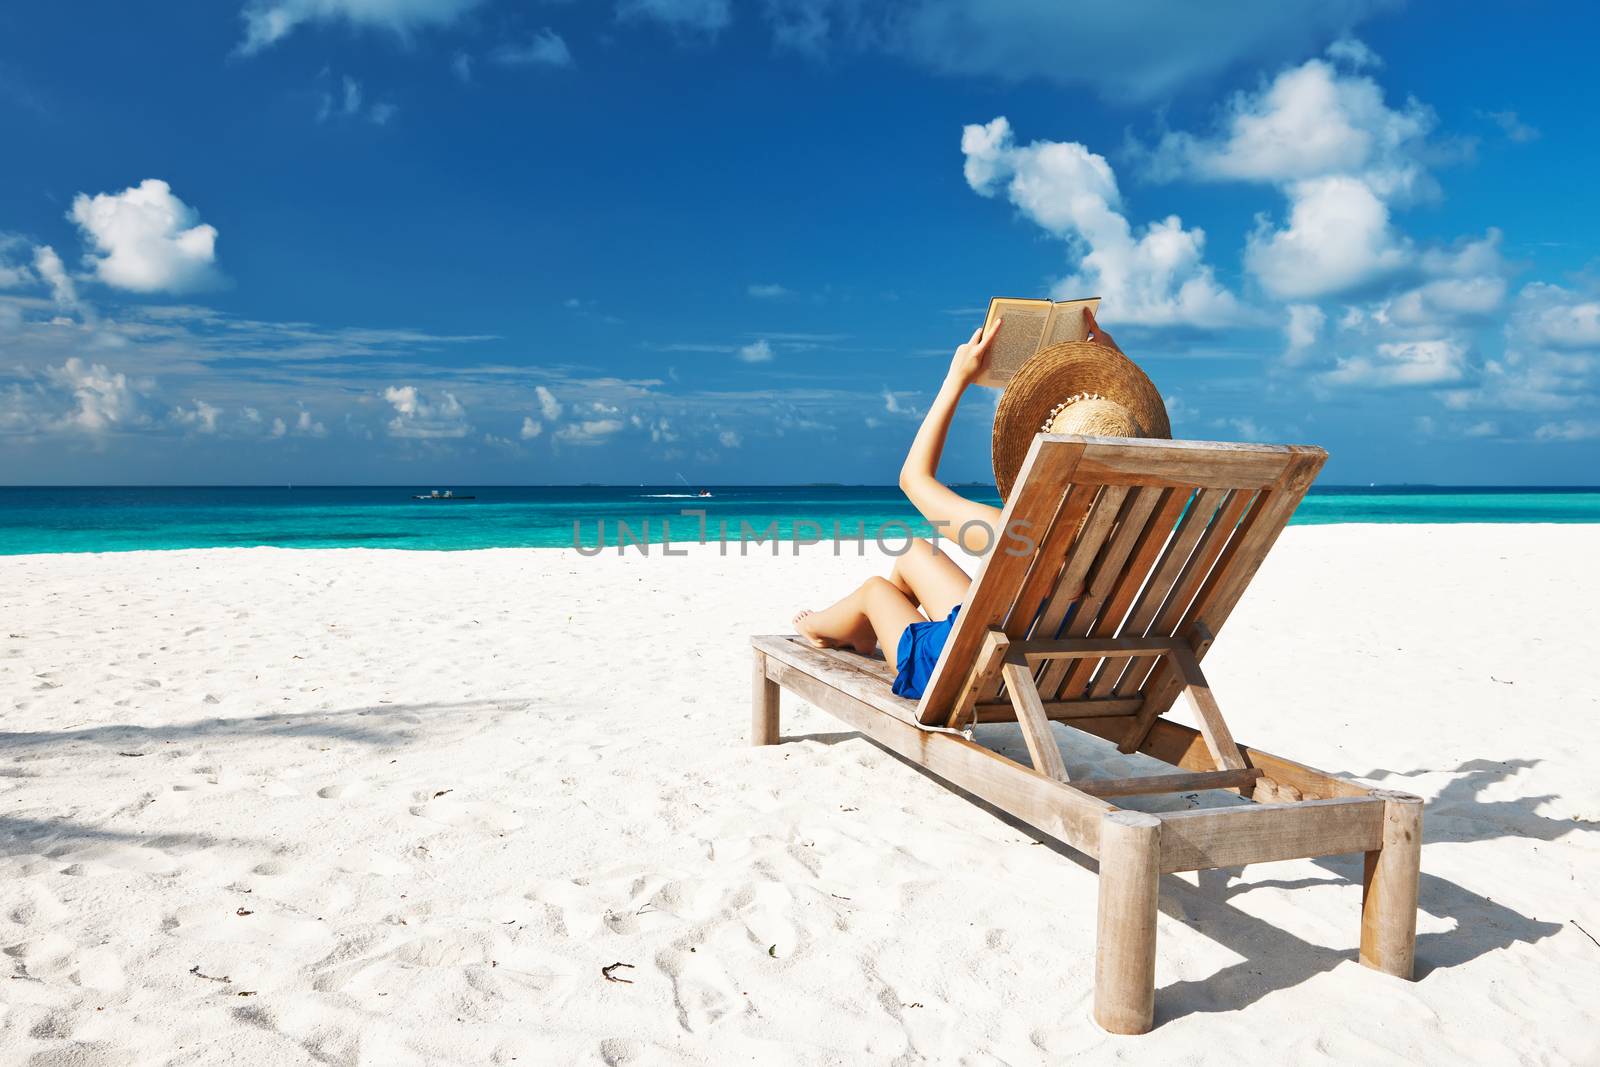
column 1274, row 959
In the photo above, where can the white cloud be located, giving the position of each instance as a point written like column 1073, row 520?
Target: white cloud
column 13, row 271
column 1302, row 330
column 1569, row 430
column 54, row 273
column 699, row 17
column 349, row 101
column 1340, row 155
column 1310, row 122
column 1338, row 238
column 1512, row 126
column 308, row 426
column 549, row 406
column 1556, row 318
column 1399, row 364
column 1156, row 277
column 102, row 400
column 74, row 397
column 588, row 431
column 729, row 439
column 531, row 428
column 279, row 427
column 151, row 241
column 544, row 49
column 1353, row 53
column 767, row 292
column 756, row 352
column 202, row 418
column 268, row 21
column 419, row 418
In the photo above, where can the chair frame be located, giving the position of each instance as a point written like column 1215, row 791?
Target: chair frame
column 995, row 660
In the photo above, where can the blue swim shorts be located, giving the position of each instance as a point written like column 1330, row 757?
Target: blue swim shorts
column 919, row 650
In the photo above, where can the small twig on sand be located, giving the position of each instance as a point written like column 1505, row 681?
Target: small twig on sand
column 613, row 978
column 1584, row 932
column 195, row 970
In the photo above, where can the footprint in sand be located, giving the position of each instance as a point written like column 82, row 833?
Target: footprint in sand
column 342, row 790
column 221, row 923
column 482, row 815
column 701, row 990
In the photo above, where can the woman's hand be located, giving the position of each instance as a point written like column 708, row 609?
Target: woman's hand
column 1094, row 332
column 972, row 357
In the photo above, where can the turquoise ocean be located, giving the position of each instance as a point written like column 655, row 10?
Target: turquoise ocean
column 122, row 519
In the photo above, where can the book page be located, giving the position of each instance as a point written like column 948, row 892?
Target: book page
column 1018, row 337
column 1065, row 322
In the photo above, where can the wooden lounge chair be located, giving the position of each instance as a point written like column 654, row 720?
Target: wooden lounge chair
column 1161, row 538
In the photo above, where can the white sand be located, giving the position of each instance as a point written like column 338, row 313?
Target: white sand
column 412, row 803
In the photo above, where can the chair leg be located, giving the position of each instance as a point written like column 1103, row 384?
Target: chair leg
column 764, row 709
column 1389, row 888
column 1125, row 941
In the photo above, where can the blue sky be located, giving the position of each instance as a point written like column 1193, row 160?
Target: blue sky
column 468, row 241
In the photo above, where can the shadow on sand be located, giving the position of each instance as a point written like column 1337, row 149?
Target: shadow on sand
column 1275, row 959
column 378, row 725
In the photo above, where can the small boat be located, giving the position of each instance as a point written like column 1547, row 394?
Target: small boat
column 448, row 494
column 703, row 493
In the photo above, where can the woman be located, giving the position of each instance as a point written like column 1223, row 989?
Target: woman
column 1083, row 387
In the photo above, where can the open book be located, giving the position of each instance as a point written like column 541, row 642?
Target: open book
column 1029, row 326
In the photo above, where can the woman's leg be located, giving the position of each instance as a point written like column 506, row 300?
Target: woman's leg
column 930, row 578
column 876, row 613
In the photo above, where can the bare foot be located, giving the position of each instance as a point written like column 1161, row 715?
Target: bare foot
column 802, row 626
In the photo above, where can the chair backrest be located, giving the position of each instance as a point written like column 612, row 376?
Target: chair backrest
column 1160, row 537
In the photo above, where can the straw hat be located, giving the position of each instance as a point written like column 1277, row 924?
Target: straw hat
column 1080, row 387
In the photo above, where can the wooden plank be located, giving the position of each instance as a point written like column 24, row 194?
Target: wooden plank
column 1063, row 710
column 1204, row 838
column 1042, row 749
column 860, row 677
column 1130, row 577
column 1194, row 522
column 1130, row 524
column 1204, row 464
column 1228, row 580
column 1183, row 590
column 1213, row 727
column 1046, row 473
column 1167, row 783
column 1053, row 807
column 1107, row 505
column 984, row 677
column 1182, row 746
column 1093, row 647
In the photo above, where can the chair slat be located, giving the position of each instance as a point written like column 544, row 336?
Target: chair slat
column 1107, row 505
column 1136, row 508
column 1195, row 521
column 1183, row 590
column 1157, row 532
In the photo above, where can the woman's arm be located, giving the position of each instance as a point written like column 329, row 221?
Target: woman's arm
column 945, row 509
